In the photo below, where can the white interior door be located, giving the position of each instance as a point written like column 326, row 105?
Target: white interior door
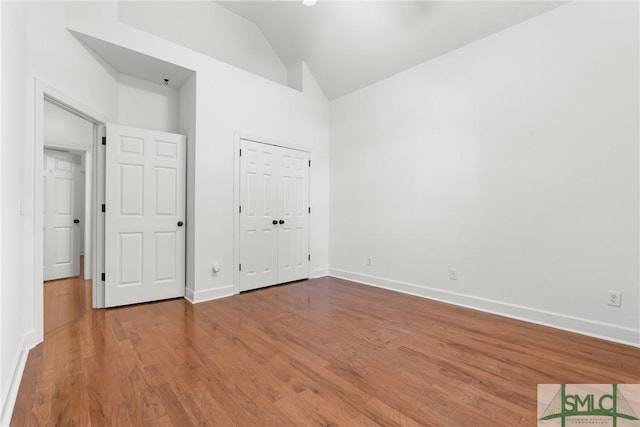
column 293, row 226
column 61, row 233
column 144, row 215
column 274, row 215
column 258, row 216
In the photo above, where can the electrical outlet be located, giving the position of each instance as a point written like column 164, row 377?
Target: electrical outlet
column 453, row 274
column 369, row 261
column 615, row 298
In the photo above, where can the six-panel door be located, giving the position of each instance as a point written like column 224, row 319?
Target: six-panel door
column 274, row 216
column 293, row 233
column 61, row 234
column 144, row 216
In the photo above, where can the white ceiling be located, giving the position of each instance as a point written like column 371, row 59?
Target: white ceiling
column 351, row 44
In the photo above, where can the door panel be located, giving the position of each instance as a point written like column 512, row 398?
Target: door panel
column 274, row 186
column 61, row 234
column 294, row 233
column 166, row 191
column 145, row 199
column 165, row 252
column 258, row 198
column 64, row 245
column 130, row 250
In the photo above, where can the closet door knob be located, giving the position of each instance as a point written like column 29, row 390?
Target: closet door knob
column 274, row 222
column 180, row 223
column 281, row 221
column 76, row 221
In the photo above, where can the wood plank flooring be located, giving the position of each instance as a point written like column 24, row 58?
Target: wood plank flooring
column 323, row 352
column 66, row 301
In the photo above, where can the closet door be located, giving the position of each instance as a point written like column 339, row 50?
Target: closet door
column 258, row 215
column 293, row 233
column 274, row 215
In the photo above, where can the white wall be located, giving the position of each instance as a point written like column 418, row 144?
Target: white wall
column 62, row 62
column 514, row 160
column 35, row 46
column 147, row 105
column 256, row 107
column 2, row 368
column 229, row 100
column 210, row 29
column 58, row 61
column 62, row 128
column 13, row 329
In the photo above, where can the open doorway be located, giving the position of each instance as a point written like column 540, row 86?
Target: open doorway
column 134, row 99
column 67, row 295
column 68, row 146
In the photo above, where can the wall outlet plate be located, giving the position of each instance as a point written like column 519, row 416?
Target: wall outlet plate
column 453, row 274
column 614, row 298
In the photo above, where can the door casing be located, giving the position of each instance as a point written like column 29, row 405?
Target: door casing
column 34, row 270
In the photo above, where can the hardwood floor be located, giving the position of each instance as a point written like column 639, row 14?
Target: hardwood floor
column 66, row 301
column 322, row 352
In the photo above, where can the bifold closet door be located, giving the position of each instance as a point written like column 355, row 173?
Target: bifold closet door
column 274, row 215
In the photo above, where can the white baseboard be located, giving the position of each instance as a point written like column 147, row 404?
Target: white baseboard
column 615, row 333
column 195, row 297
column 319, row 272
column 10, row 389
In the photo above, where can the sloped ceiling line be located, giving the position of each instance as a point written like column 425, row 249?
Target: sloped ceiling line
column 350, row 44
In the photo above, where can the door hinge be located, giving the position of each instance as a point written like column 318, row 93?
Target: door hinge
column 239, row 267
column 241, row 152
column 104, row 140
column 309, row 163
column 104, row 207
column 102, row 277
column 309, row 209
column 239, row 209
column 309, row 257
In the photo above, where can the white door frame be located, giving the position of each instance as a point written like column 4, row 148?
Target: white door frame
column 42, row 92
column 236, row 195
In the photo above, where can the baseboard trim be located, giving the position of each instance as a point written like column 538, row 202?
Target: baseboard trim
column 606, row 331
column 319, row 272
column 10, row 389
column 196, row 297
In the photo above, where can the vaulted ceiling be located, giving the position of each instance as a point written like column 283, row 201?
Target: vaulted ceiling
column 351, row 44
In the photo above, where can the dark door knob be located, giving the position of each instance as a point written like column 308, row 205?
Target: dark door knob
column 76, row 221
column 180, row 223
column 281, row 221
column 274, row 222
